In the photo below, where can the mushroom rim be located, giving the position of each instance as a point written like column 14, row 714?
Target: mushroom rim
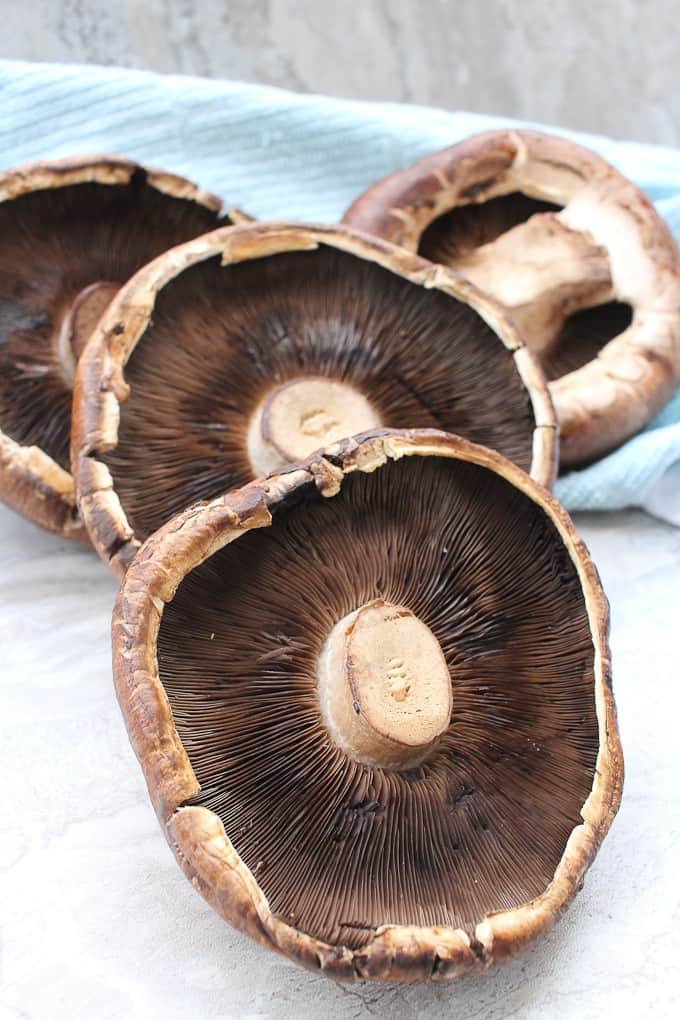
column 197, row 835
column 32, row 483
column 609, row 399
column 99, row 168
column 100, row 387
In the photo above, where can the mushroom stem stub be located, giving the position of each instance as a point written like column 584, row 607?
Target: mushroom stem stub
column 542, row 271
column 384, row 686
column 79, row 321
column 303, row 415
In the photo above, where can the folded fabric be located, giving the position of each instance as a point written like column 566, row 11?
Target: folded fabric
column 281, row 155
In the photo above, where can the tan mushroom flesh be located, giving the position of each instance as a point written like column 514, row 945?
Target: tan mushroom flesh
column 573, row 250
column 371, row 697
column 253, row 346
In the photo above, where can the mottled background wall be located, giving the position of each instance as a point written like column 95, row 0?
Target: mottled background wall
column 611, row 67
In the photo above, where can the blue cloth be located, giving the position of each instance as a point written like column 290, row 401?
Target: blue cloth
column 281, row 155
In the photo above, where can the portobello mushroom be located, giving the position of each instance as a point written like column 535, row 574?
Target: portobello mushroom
column 371, row 696
column 574, row 251
column 253, row 346
column 71, row 232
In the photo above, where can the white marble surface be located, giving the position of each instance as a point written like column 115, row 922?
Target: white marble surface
column 609, row 67
column 98, row 922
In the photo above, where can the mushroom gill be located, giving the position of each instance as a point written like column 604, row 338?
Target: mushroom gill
column 250, row 365
column 341, row 847
column 583, row 335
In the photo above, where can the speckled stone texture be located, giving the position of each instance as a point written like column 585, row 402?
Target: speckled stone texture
column 609, row 67
column 96, row 920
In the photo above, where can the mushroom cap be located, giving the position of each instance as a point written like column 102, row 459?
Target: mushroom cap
column 572, row 248
column 250, row 329
column 357, row 870
column 72, row 231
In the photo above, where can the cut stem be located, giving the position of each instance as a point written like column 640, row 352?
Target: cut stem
column 78, row 324
column 384, row 686
column 302, row 416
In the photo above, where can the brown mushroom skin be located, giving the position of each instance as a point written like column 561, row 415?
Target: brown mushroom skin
column 39, row 490
column 403, row 953
column 622, row 251
column 101, row 388
column 35, row 481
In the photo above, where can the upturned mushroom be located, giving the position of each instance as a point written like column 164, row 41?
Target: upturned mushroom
column 572, row 249
column 253, row 346
column 371, row 696
column 72, row 231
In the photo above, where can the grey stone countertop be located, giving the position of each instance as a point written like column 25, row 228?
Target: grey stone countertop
column 97, row 921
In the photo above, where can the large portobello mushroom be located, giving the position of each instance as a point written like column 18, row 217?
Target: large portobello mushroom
column 371, row 697
column 573, row 250
column 71, row 232
column 251, row 347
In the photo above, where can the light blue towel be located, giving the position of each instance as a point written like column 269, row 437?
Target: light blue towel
column 281, row 155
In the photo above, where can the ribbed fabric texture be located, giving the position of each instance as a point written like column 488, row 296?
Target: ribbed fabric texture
column 281, row 155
